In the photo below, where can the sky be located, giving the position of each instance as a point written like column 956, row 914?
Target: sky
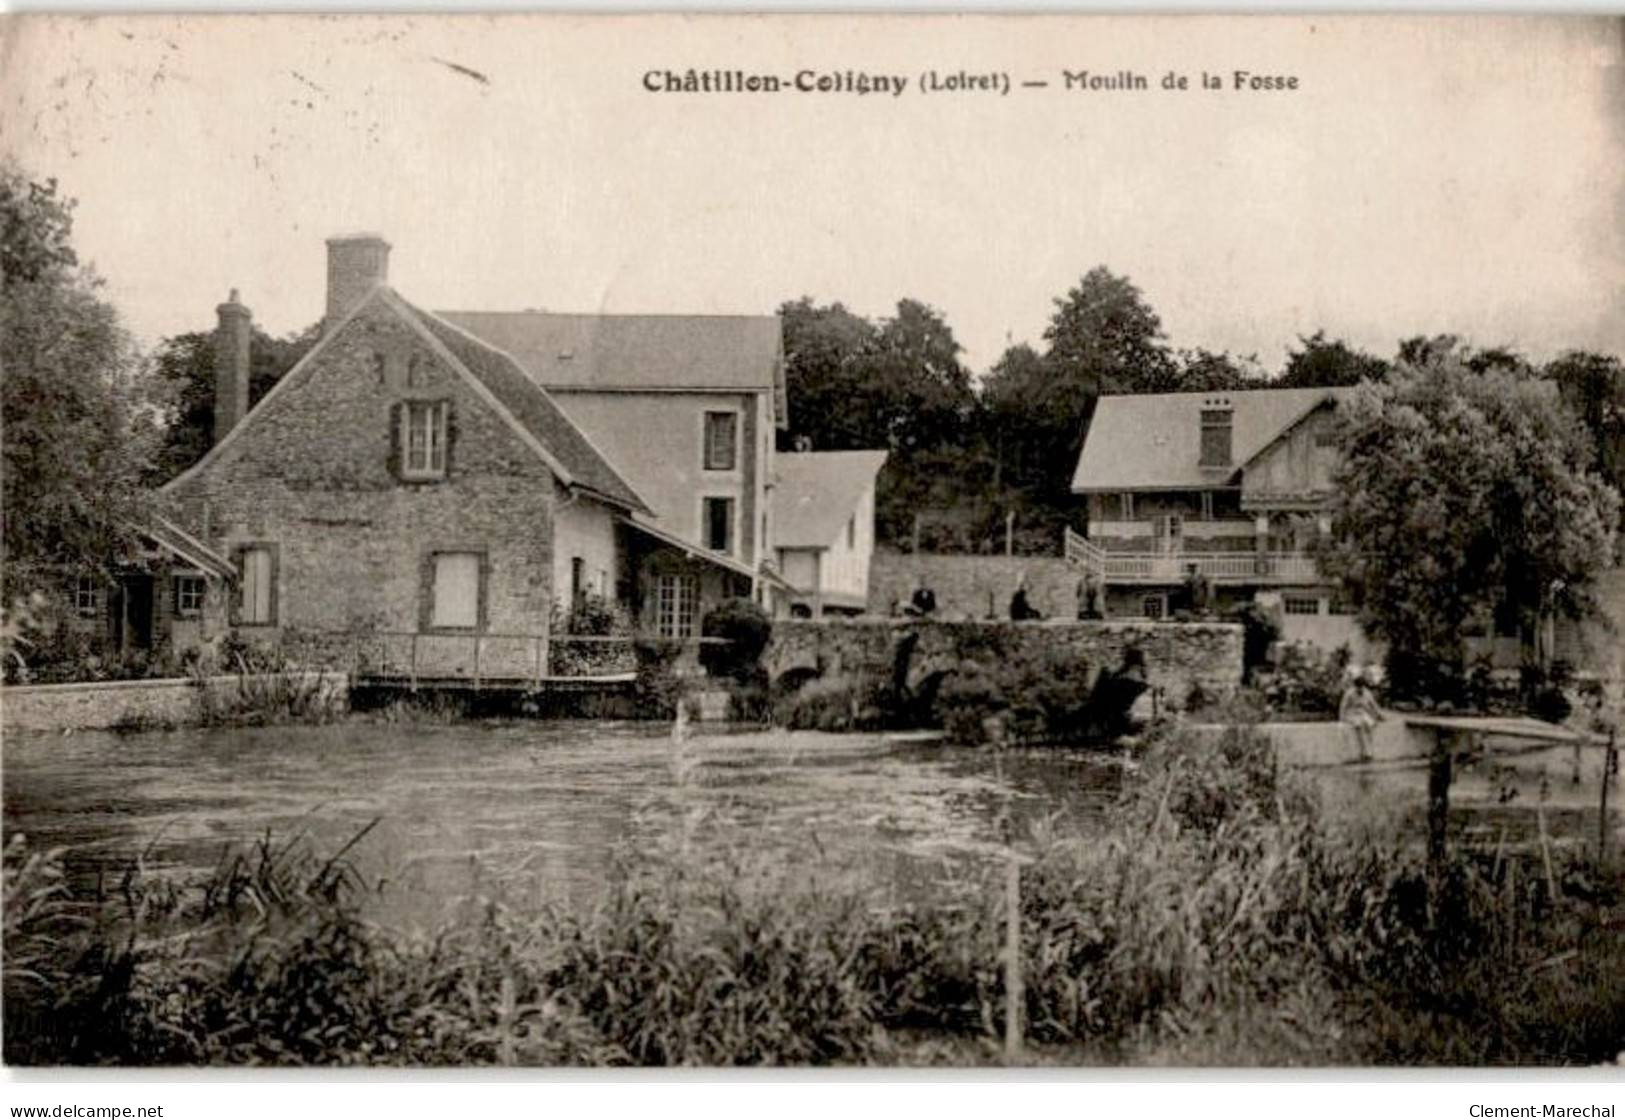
column 1442, row 174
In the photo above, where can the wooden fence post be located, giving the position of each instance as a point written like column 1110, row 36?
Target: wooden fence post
column 1610, row 767
column 1439, row 799
column 1015, row 995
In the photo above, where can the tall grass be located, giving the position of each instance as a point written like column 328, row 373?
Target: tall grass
column 269, row 688
column 1214, row 920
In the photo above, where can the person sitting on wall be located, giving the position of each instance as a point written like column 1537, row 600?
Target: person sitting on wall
column 1089, row 598
column 1358, row 709
column 1020, row 609
column 923, row 603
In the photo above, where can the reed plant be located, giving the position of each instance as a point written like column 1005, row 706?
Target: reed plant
column 1212, row 918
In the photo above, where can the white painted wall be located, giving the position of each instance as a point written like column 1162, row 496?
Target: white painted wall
column 846, row 567
column 656, row 441
column 586, row 529
column 800, row 567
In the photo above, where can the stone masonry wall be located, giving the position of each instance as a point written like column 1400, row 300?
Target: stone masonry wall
column 313, row 476
column 963, row 584
column 1177, row 655
column 104, row 704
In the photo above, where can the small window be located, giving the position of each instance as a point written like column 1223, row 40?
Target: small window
column 189, row 591
column 1341, row 604
column 578, row 582
column 1302, row 604
column 456, row 602
column 259, row 578
column 718, row 517
column 721, row 441
column 87, row 597
column 1152, row 606
column 677, row 601
column 423, row 450
column 852, row 531
column 1207, row 505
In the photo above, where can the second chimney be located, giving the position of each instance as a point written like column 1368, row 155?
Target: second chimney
column 231, row 365
column 1217, row 427
column 356, row 263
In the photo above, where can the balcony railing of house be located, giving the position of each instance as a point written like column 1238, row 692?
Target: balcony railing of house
column 1172, row 566
column 506, row 660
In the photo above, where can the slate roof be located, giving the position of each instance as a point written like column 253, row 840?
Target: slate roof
column 535, row 411
column 503, row 377
column 576, row 352
column 817, row 492
column 1153, row 441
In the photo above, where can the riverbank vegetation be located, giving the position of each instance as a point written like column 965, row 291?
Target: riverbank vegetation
column 1214, row 917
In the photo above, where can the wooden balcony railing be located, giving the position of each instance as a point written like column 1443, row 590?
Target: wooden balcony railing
column 1175, row 566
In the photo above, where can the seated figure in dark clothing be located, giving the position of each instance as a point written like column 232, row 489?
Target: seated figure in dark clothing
column 922, row 603
column 1020, row 609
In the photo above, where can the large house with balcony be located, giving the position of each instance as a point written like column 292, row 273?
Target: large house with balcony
column 445, row 488
column 1228, row 486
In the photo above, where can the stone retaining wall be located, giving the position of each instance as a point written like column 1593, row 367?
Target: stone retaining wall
column 965, row 586
column 1177, row 655
column 105, row 704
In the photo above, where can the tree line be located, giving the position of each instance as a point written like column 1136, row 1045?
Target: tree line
column 92, row 425
column 968, row 453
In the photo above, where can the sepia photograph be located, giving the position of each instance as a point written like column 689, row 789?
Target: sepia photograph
column 926, row 542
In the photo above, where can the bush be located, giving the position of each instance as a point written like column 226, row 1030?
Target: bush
column 658, row 688
column 1258, row 633
column 746, row 629
column 1306, row 680
column 835, row 703
column 592, row 618
column 968, row 700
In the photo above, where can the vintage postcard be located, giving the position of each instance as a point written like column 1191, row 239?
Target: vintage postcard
column 842, row 541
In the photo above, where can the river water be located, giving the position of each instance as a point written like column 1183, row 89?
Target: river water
column 541, row 808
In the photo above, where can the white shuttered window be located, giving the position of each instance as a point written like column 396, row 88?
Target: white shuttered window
column 456, row 590
column 258, row 579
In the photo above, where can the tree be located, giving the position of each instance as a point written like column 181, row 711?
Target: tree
column 1014, row 395
column 917, row 381
column 898, row 385
column 1104, row 337
column 185, row 374
column 1462, row 496
column 76, row 433
column 1204, row 371
column 824, row 353
column 1594, row 387
column 1322, row 362
column 35, row 229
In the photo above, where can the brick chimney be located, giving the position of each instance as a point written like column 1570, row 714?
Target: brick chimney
column 1218, row 417
column 231, row 365
column 356, row 263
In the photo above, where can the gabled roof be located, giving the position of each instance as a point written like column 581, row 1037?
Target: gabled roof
column 689, row 548
column 817, row 492
column 535, row 410
column 1152, row 441
column 493, row 375
column 179, row 543
column 736, row 353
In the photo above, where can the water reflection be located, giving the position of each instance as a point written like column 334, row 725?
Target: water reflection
column 537, row 807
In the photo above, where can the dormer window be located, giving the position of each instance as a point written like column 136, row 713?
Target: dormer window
column 1216, row 433
column 423, row 446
